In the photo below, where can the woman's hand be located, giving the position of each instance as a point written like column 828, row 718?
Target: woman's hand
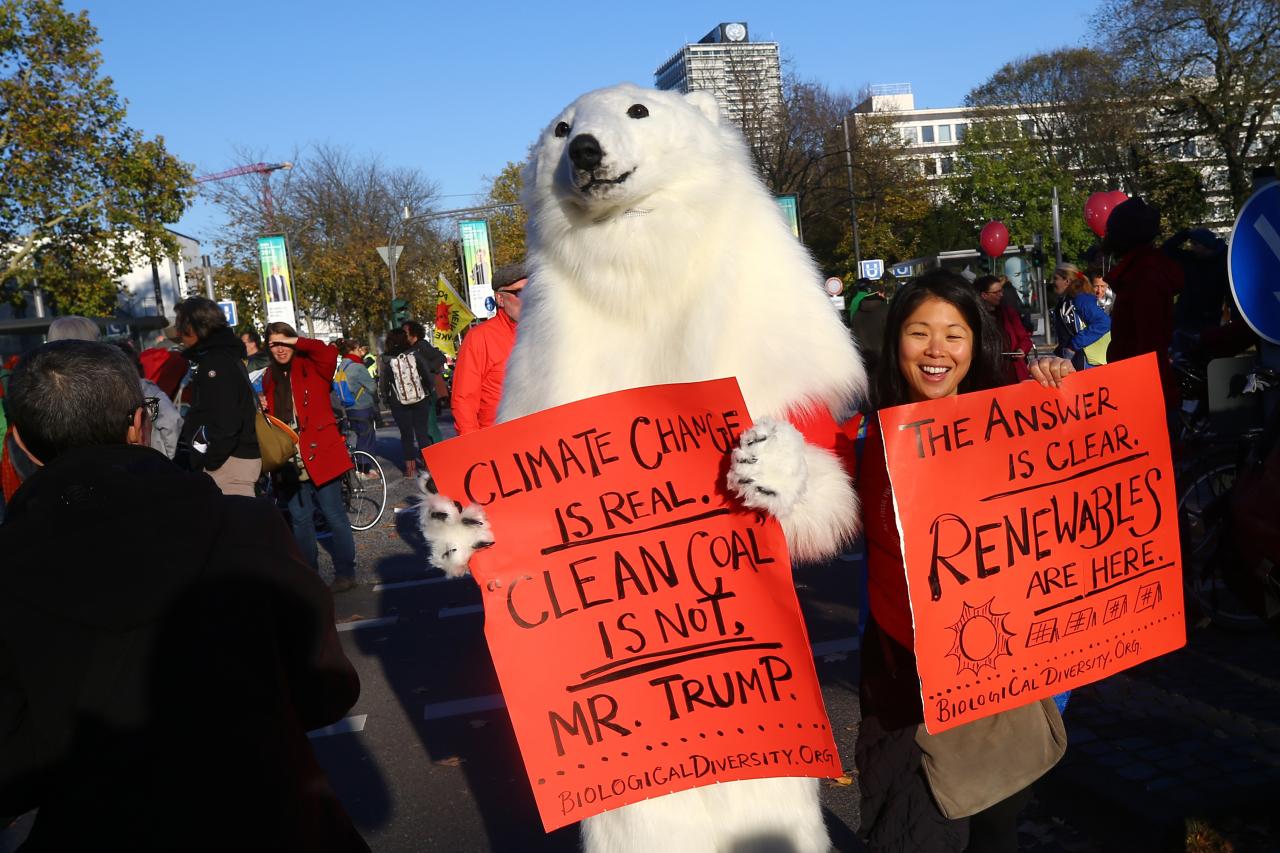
column 1051, row 370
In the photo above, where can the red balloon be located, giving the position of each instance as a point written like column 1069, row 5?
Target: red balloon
column 1096, row 211
column 994, row 238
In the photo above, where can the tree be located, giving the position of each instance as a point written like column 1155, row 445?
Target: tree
column 1212, row 70
column 999, row 174
column 83, row 196
column 335, row 209
column 507, row 227
column 1075, row 101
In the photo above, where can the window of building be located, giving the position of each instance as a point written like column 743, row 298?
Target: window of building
column 948, row 166
column 930, row 166
column 1028, row 127
column 944, row 133
column 909, row 135
column 1189, row 148
column 926, row 133
column 962, row 130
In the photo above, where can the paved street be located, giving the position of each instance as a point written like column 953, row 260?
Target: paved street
column 426, row 760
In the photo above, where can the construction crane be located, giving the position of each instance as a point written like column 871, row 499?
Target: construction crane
column 252, row 169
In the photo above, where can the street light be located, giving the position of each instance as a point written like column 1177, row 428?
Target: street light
column 853, row 204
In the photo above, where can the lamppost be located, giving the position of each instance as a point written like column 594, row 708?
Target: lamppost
column 853, row 204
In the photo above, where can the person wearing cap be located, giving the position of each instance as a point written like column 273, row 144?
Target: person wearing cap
column 218, row 434
column 482, row 358
column 1145, row 282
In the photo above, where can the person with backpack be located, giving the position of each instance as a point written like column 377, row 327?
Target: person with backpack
column 868, row 309
column 404, row 378
column 353, row 388
column 296, row 387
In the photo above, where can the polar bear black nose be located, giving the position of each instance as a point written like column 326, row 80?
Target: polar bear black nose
column 585, row 152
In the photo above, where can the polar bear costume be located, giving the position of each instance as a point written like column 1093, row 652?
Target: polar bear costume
column 657, row 256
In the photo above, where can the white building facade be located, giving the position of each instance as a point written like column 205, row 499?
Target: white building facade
column 744, row 75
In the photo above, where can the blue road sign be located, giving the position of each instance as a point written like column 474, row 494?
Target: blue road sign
column 229, row 309
column 873, row 270
column 1254, row 262
column 902, row 271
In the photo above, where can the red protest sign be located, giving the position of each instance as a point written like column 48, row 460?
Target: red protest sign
column 643, row 625
column 1040, row 537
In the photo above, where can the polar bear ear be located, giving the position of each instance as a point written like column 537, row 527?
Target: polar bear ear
column 705, row 103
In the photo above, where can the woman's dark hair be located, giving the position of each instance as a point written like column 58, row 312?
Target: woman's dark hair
column 280, row 329
column 889, row 387
column 983, row 282
column 255, row 337
column 396, row 342
column 199, row 316
column 346, row 346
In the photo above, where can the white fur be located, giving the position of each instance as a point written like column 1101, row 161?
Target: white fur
column 686, row 271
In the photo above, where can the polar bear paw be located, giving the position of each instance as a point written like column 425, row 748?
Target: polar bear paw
column 768, row 470
column 453, row 533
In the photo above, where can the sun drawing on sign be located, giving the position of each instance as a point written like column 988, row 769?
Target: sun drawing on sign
column 981, row 637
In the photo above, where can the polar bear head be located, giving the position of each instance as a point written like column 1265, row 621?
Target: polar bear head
column 613, row 150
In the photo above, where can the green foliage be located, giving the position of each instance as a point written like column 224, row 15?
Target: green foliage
column 507, row 227
column 83, row 197
column 1000, row 175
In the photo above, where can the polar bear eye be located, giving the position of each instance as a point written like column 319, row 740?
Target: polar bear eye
column 638, row 111
column 562, row 129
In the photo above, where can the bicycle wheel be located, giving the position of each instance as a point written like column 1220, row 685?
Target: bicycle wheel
column 1203, row 492
column 364, row 497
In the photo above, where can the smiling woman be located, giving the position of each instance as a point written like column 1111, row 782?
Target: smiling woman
column 939, row 341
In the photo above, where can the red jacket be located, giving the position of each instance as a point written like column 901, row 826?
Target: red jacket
column 324, row 452
column 1145, row 283
column 477, row 377
column 1017, row 339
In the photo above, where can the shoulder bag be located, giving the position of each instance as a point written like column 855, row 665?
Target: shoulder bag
column 277, row 441
column 974, row 766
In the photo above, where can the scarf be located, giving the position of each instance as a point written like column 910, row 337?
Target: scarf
column 282, row 395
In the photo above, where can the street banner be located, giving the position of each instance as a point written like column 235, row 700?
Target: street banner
column 452, row 317
column 1040, row 535
column 277, row 279
column 790, row 205
column 477, row 266
column 643, row 624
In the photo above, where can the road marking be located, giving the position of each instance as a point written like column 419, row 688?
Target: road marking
column 378, row 587
column 342, row 727
column 494, row 701
column 446, row 612
column 379, row 622
column 458, row 707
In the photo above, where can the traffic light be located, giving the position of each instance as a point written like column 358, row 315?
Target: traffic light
column 399, row 312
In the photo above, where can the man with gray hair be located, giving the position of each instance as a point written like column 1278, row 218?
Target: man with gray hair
column 155, row 691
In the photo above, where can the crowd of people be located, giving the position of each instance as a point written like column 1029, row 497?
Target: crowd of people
column 235, row 616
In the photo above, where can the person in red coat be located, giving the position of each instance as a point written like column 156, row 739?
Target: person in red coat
column 1145, row 281
column 296, row 387
column 1016, row 341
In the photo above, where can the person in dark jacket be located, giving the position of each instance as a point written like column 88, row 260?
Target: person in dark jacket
column 1206, row 286
column 866, row 320
column 158, row 699
column 218, row 436
column 1145, row 282
column 398, row 381
column 297, row 387
column 435, row 362
column 1015, row 341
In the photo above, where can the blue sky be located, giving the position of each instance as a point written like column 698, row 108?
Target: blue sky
column 459, row 89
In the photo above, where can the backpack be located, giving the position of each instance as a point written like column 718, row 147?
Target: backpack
column 405, row 378
column 342, row 388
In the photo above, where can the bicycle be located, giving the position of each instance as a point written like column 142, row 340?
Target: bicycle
column 1205, row 484
column 364, row 487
